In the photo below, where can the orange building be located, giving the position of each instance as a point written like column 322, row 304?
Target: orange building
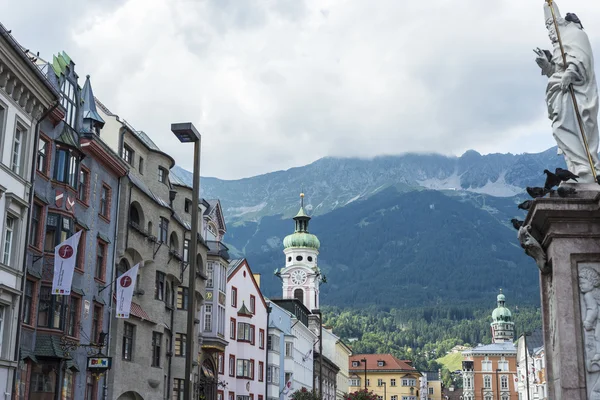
column 489, row 370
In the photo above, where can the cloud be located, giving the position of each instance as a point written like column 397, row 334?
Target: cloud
column 276, row 84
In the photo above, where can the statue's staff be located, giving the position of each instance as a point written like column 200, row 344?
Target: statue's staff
column 572, row 91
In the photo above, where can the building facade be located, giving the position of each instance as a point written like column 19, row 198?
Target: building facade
column 76, row 189
column 290, row 349
column 149, row 348
column 384, row 375
column 339, row 352
column 242, row 367
column 489, row 370
column 431, row 385
column 25, row 97
column 531, row 367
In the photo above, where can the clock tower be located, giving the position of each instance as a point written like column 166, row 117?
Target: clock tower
column 301, row 275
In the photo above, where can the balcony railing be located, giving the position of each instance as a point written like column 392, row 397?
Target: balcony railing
column 217, row 248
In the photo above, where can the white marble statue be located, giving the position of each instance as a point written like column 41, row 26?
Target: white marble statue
column 578, row 72
column 589, row 286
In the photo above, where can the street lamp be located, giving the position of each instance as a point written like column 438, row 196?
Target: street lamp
column 318, row 311
column 187, row 133
column 364, row 360
column 497, row 386
column 525, row 334
column 384, row 389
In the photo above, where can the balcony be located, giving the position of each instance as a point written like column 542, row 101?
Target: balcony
column 218, row 249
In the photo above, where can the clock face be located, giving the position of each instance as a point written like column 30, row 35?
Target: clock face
column 298, row 277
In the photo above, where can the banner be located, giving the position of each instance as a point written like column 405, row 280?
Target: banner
column 125, row 287
column 65, row 258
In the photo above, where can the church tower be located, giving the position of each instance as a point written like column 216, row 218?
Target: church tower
column 301, row 275
column 503, row 327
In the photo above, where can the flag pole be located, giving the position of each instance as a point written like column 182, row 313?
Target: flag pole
column 572, row 91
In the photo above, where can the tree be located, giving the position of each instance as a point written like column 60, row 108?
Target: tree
column 361, row 395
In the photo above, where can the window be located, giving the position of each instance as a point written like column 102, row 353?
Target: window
column 91, row 387
column 486, row 366
column 42, row 156
column 50, row 309
column 67, row 393
column 261, row 339
column 67, row 167
column 244, row 368
column 209, row 275
column 2, row 317
column 162, row 175
column 221, row 320
column 289, row 349
column 127, row 350
column 245, row 332
column 27, row 302
column 96, row 323
column 187, row 207
column 273, row 343
column 73, row 317
column 232, row 328
column 504, row 382
column 127, row 154
column 409, row 382
column 354, row 382
column 141, row 166
column 261, row 371
column 100, row 260
column 368, row 382
column 393, row 382
column 105, row 201
column 186, row 250
column 9, row 232
column 468, row 383
column 355, row 363
column 207, row 317
column 43, row 379
column 379, row 382
column 231, row 365
column 156, row 346
column 17, row 153
column 504, row 398
column 182, row 298
column 180, row 344
column 178, row 389
column 252, row 304
column 430, row 390
column 231, row 396
column 487, row 382
column 221, row 363
column 159, row 286
column 35, row 233
column 380, row 363
column 163, row 230
column 394, row 397
column 503, row 365
column 68, row 101
column 273, row 374
column 234, row 297
column 58, row 229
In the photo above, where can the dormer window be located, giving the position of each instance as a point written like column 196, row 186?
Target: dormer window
column 355, row 363
column 380, row 363
column 162, row 175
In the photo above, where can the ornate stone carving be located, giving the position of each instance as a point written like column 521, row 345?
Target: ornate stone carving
column 571, row 78
column 589, row 287
column 533, row 248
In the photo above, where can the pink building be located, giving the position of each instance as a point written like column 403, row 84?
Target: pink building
column 242, row 367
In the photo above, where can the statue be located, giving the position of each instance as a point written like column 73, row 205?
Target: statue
column 589, row 286
column 572, row 92
column 533, row 248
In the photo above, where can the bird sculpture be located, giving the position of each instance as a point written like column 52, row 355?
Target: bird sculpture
column 565, row 175
column 551, row 180
column 526, row 205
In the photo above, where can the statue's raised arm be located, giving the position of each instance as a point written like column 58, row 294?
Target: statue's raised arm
column 572, row 92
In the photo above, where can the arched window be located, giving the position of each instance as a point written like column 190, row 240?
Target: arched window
column 487, row 382
column 174, row 242
column 122, row 267
column 149, row 227
column 134, row 215
column 299, row 295
column 504, row 382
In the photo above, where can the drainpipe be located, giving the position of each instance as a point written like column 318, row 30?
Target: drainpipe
column 170, row 351
column 114, row 272
column 266, row 353
column 26, row 244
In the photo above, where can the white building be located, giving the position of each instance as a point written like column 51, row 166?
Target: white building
column 25, row 98
column 242, row 369
column 531, row 367
column 338, row 352
column 290, row 349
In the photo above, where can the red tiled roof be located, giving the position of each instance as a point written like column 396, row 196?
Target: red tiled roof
column 138, row 311
column 390, row 363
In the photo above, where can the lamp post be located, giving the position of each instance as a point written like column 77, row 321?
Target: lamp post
column 364, row 360
column 384, row 389
column 318, row 311
column 187, row 133
column 526, row 360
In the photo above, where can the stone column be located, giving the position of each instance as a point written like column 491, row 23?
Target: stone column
column 568, row 230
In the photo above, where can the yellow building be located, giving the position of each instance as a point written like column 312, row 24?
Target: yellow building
column 384, row 375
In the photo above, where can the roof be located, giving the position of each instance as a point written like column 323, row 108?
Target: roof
column 48, row 346
column 177, row 180
column 432, row 376
column 138, row 311
column 535, row 340
column 235, row 266
column 391, row 363
column 506, row 347
column 142, row 186
column 88, row 108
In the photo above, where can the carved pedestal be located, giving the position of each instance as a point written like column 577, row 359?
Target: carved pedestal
column 568, row 230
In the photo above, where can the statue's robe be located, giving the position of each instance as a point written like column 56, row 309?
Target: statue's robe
column 580, row 62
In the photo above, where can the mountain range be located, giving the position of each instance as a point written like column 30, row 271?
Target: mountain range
column 395, row 231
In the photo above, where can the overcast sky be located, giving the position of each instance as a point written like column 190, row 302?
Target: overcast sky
column 273, row 84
